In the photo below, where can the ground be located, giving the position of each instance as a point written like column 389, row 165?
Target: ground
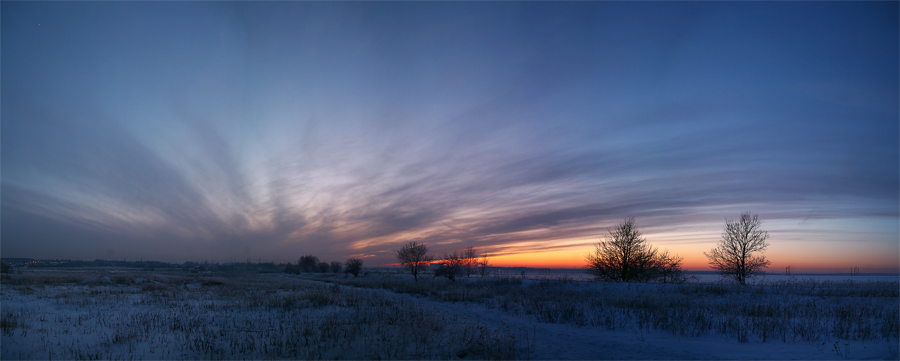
column 552, row 341
column 175, row 316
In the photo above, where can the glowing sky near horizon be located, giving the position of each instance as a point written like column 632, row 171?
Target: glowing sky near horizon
column 228, row 131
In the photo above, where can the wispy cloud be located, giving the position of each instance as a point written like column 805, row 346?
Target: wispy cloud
column 521, row 133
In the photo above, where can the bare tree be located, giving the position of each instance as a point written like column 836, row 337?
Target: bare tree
column 414, row 258
column 621, row 255
column 733, row 257
column 323, row 267
column 452, row 265
column 626, row 256
column 668, row 268
column 483, row 265
column 353, row 266
column 469, row 260
column 308, row 263
column 336, row 267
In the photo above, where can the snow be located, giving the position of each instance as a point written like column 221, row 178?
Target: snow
column 693, row 276
column 220, row 318
column 551, row 341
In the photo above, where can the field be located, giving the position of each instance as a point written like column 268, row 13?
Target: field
column 158, row 315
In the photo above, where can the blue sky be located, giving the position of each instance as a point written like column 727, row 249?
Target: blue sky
column 233, row 130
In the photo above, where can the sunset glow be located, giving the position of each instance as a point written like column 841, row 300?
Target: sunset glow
column 222, row 131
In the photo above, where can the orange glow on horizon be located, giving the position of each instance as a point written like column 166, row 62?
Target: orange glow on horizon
column 693, row 261
column 567, row 259
column 823, row 254
column 552, row 259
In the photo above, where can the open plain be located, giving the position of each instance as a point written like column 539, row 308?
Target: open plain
column 108, row 314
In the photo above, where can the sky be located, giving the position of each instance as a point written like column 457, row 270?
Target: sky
column 228, row 131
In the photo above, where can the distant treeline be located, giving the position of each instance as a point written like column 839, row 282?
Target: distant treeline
column 260, row 267
column 33, row 263
column 308, row 263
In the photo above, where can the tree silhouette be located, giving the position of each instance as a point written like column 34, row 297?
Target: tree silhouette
column 668, row 268
column 323, row 267
column 336, row 267
column 469, row 260
column 622, row 255
column 625, row 256
column 308, row 263
column 733, row 257
column 414, row 258
column 483, row 265
column 353, row 266
column 452, row 265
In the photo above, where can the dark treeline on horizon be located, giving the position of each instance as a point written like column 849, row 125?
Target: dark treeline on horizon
column 38, row 263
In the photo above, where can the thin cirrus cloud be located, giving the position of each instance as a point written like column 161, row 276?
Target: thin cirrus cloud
column 231, row 131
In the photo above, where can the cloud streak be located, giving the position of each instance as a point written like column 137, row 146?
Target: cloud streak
column 456, row 125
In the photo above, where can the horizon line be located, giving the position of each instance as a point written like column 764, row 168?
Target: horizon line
column 393, row 265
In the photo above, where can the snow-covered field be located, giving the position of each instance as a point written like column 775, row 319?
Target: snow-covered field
column 273, row 316
column 204, row 317
column 580, row 275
